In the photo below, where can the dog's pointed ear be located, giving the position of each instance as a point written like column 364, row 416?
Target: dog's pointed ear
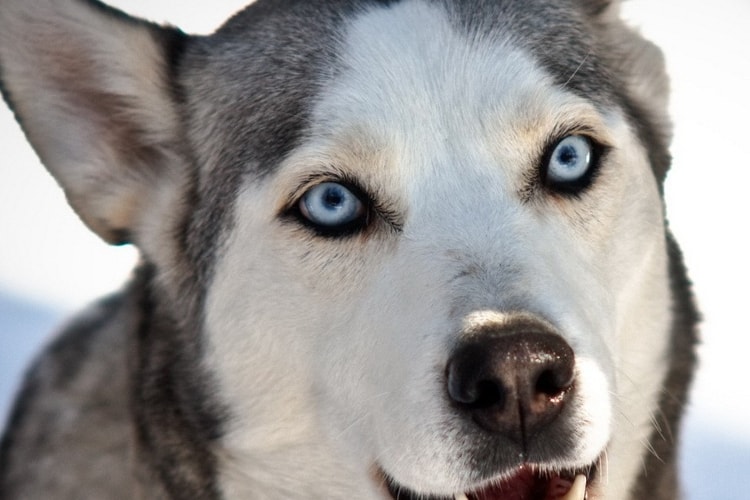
column 641, row 66
column 596, row 7
column 92, row 90
column 640, row 61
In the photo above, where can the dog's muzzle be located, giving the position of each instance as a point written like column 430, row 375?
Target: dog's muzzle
column 510, row 386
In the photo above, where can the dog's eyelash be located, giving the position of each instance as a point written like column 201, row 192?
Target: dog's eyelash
column 391, row 217
column 374, row 208
column 574, row 188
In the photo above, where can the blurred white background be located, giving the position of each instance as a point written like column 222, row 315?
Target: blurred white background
column 50, row 265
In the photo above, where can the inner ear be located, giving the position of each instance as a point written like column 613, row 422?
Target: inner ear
column 93, row 91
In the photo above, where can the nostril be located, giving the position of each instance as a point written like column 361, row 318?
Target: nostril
column 488, row 394
column 470, row 386
column 553, row 383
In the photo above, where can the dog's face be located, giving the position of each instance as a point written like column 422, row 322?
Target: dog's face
column 430, row 198
column 439, row 264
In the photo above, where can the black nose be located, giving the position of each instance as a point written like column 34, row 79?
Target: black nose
column 512, row 381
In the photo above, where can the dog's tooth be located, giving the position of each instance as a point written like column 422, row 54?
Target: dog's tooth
column 461, row 496
column 578, row 490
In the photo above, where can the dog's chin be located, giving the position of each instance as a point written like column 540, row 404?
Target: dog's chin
column 527, row 482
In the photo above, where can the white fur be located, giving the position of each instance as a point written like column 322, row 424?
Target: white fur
column 331, row 353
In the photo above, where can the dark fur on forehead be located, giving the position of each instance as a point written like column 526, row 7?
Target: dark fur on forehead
column 253, row 83
column 270, row 60
column 557, row 34
column 265, row 65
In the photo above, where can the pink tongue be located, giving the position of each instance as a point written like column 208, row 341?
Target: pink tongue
column 525, row 485
column 558, row 488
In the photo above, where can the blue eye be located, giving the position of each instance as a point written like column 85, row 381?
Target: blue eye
column 331, row 206
column 571, row 161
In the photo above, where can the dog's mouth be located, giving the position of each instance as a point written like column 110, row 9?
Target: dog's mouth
column 527, row 483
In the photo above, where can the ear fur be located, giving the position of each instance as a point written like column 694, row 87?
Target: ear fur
column 596, row 7
column 91, row 89
column 640, row 61
column 641, row 67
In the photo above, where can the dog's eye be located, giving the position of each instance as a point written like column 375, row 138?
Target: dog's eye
column 332, row 207
column 570, row 163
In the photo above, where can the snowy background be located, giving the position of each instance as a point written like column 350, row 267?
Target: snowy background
column 50, row 265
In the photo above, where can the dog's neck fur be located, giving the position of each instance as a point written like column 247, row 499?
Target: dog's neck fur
column 659, row 478
column 169, row 402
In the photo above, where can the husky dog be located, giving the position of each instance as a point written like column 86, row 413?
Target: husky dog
column 390, row 249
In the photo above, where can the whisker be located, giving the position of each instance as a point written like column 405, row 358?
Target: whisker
column 577, row 69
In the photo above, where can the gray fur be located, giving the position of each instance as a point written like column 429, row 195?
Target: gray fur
column 122, row 393
column 660, row 476
column 74, row 406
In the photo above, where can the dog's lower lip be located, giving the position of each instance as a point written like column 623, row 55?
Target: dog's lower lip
column 528, row 483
